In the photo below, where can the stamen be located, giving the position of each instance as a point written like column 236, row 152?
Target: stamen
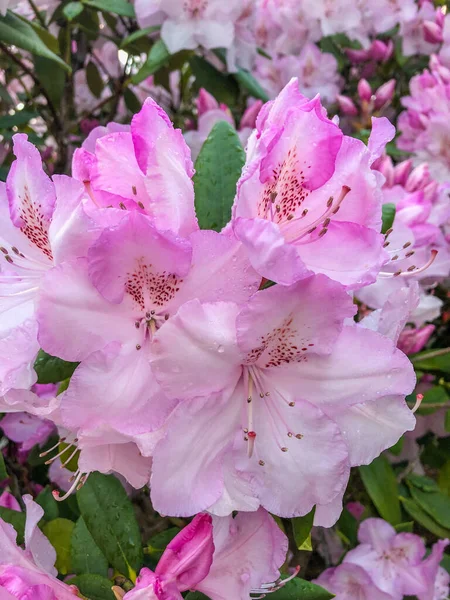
column 66, row 462
column 412, row 270
column 50, row 460
column 56, row 495
column 251, row 436
column 269, row 588
column 419, row 398
column 251, row 433
column 60, row 441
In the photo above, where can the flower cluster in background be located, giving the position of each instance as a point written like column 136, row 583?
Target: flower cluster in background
column 224, row 300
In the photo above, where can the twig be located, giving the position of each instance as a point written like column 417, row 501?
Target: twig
column 37, row 13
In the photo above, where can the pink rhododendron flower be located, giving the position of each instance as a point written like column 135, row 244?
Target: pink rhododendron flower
column 26, row 429
column 30, row 574
column 414, row 340
column 395, row 561
column 217, row 556
column 317, row 73
column 413, row 31
column 112, row 304
column 147, row 168
column 308, row 200
column 348, row 582
column 280, row 410
column 187, row 24
column 7, row 500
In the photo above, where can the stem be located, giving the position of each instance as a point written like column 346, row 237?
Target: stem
column 431, row 354
column 37, row 13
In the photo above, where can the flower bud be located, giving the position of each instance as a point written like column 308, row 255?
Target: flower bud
column 414, row 340
column 347, row 106
column 432, row 33
column 205, row 102
column 402, row 171
column 249, row 116
column 364, row 90
column 385, row 93
column 418, row 178
column 385, row 166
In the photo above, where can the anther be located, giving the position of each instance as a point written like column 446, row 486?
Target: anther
column 336, row 210
column 278, row 208
column 249, row 399
column 9, row 259
column 261, row 395
column 326, row 222
column 407, row 245
column 290, row 217
column 323, row 232
column 291, row 403
column 4, row 250
column 299, row 436
column 408, row 254
column 267, row 393
column 305, row 212
column 330, row 201
column 394, row 257
column 290, row 434
column 313, row 229
column 388, row 232
column 140, row 205
column 138, row 346
column 15, row 250
column 386, row 244
column 411, row 268
column 147, row 315
column 137, row 324
column 284, row 449
column 245, row 430
column 273, row 196
column 262, row 463
column 397, row 273
column 134, row 190
column 122, row 206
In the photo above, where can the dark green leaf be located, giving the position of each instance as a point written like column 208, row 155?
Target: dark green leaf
column 157, row 544
column 72, row 10
column 21, row 117
column 15, row 31
column 347, row 528
column 407, row 527
column 49, row 504
column 51, row 369
column 218, row 167
column 52, row 77
column 436, row 504
column 447, row 421
column 296, row 589
column 419, row 515
column 94, row 79
column 423, row 483
column 445, row 562
column 381, row 485
column 224, row 88
column 110, row 519
column 3, row 472
column 16, row 519
column 118, row 7
column 444, row 478
column 388, row 216
column 428, row 361
column 249, row 83
column 49, row 40
column 157, row 58
column 397, row 448
column 86, row 555
column 137, row 35
column 59, row 534
column 131, row 101
column 301, row 527
column 94, row 587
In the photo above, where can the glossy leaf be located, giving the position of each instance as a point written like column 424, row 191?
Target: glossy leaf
column 301, row 528
column 21, row 117
column 118, row 7
column 59, row 534
column 428, row 361
column 16, row 519
column 296, row 589
column 109, row 516
column 72, row 10
column 381, row 485
column 157, row 544
column 157, row 58
column 3, row 472
column 137, row 35
column 94, row 587
column 48, row 503
column 86, row 556
column 223, row 87
column 52, row 77
column 218, row 167
column 94, row 79
column 15, row 31
column 251, row 85
column 436, row 504
column 388, row 216
column 51, row 369
column 418, row 514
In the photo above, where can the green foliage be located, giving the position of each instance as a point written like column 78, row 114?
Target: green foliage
column 388, row 216
column 48, row 503
column 118, row 7
column 430, row 361
column 381, row 485
column 3, row 472
column 72, row 10
column 301, row 528
column 418, row 514
column 15, row 31
column 94, row 587
column 51, row 369
column 94, row 79
column 157, row 58
column 16, row 519
column 21, row 117
column 223, row 87
column 218, row 167
column 59, row 534
column 157, row 544
column 251, row 85
column 296, row 589
column 86, row 556
column 109, row 516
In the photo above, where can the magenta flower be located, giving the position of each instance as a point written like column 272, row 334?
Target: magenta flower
column 105, row 310
column 396, row 562
column 308, row 200
column 217, row 556
column 30, row 574
column 274, row 413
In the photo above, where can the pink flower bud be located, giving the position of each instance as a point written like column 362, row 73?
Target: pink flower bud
column 205, row 102
column 347, row 106
column 385, row 166
column 356, row 509
column 430, row 191
column 414, row 340
column 249, row 116
column 378, row 50
column 385, row 93
column 389, row 50
column 418, row 178
column 357, row 56
column 432, row 32
column 364, row 90
column 402, row 171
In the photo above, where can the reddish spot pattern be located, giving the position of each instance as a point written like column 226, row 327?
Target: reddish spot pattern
column 281, row 345
column 285, row 191
column 148, row 287
column 36, row 226
column 195, row 8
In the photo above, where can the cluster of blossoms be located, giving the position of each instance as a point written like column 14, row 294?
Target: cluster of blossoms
column 226, row 365
column 387, row 565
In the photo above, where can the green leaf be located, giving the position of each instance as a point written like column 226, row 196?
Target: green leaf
column 423, row 483
column 419, row 515
column 16, row 519
column 72, row 10
column 249, row 83
column 406, row 527
column 110, row 519
column 447, row 421
column 218, row 167
column 223, row 87
column 427, row 361
column 157, row 58
column 397, row 448
column 138, row 35
column 444, row 478
column 296, row 589
column 94, row 79
column 445, row 562
column 20, row 117
column 15, row 31
column 388, row 216
column 157, row 544
column 51, row 369
column 48, row 503
column 52, row 78
column 381, row 485
column 301, row 527
column 59, row 534
column 118, row 7
column 3, row 472
column 94, row 587
column 436, row 504
column 85, row 554
column 131, row 101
